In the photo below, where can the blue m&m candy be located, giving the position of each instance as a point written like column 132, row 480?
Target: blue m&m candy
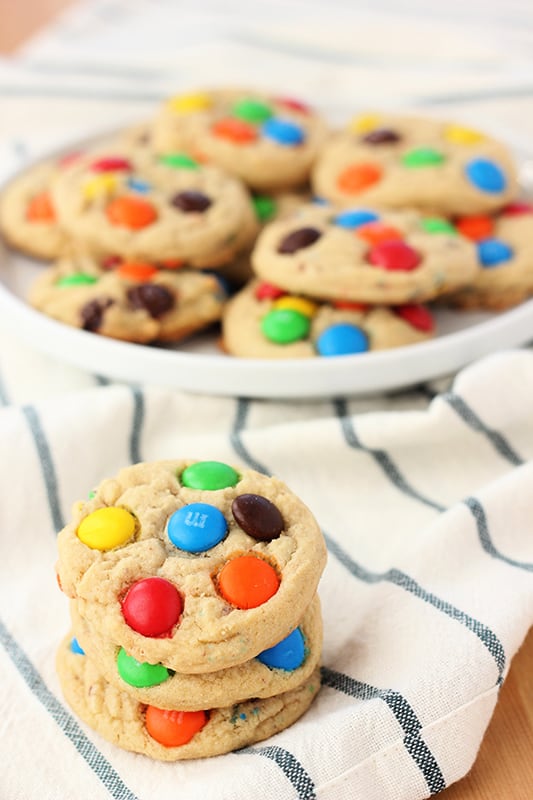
column 282, row 131
column 289, row 654
column 75, row 647
column 196, row 527
column 354, row 218
column 139, row 185
column 342, row 339
column 492, row 252
column 485, row 175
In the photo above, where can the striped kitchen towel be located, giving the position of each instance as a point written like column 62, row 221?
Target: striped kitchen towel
column 428, row 591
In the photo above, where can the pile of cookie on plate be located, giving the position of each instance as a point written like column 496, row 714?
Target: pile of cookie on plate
column 245, row 209
column 196, row 628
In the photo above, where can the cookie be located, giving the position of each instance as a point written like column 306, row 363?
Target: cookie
column 263, row 321
column 174, row 735
column 398, row 161
column 195, row 565
column 135, row 301
column 270, row 142
column 136, row 205
column 28, row 218
column 361, row 254
column 276, row 670
column 504, row 245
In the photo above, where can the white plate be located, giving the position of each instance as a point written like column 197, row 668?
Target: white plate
column 199, row 366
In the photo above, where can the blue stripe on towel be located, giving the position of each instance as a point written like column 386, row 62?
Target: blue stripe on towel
column 290, row 766
column 47, row 465
column 405, row 715
column 66, row 722
column 469, row 416
column 478, row 512
column 380, row 457
column 136, row 425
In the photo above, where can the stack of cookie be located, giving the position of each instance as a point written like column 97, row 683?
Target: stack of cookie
column 338, row 240
column 196, row 628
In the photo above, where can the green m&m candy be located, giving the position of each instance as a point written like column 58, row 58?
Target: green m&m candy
column 285, row 325
column 437, row 225
column 422, row 157
column 179, row 161
column 251, row 110
column 138, row 673
column 210, row 475
column 76, row 279
column 264, row 206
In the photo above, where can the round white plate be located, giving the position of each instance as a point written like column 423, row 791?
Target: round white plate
column 199, row 366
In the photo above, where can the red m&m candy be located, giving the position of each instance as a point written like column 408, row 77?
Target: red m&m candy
column 416, row 315
column 394, row 255
column 152, row 606
column 111, row 164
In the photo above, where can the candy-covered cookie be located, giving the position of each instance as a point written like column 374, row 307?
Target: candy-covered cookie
column 398, row 161
column 361, row 254
column 264, row 321
column 195, row 565
column 28, row 217
column 277, row 669
column 136, row 205
column 135, row 301
column 270, row 142
column 174, row 735
column 504, row 245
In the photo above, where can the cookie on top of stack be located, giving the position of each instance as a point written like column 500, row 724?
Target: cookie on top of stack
column 196, row 628
column 349, row 232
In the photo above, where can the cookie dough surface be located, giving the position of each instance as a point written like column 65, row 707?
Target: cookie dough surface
column 134, row 302
column 399, row 161
column 222, row 688
column 256, row 325
column 504, row 245
column 129, row 202
column 364, row 254
column 122, row 720
column 212, row 627
column 270, row 142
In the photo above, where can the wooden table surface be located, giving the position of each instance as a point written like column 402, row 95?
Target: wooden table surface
column 504, row 767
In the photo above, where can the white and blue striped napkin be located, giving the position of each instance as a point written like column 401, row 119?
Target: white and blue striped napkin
column 425, row 498
column 428, row 591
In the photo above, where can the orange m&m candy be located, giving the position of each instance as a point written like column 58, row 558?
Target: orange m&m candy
column 376, row 232
column 40, row 209
column 131, row 212
column 173, row 728
column 350, row 305
column 475, row 227
column 247, row 581
column 136, row 271
column 356, row 177
column 235, row 130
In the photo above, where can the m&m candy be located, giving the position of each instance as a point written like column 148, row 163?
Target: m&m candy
column 107, row 528
column 152, row 606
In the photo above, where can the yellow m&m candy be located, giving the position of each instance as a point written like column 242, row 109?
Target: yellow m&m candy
column 101, row 185
column 189, row 103
column 106, row 528
column 306, row 307
column 460, row 135
column 364, row 123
